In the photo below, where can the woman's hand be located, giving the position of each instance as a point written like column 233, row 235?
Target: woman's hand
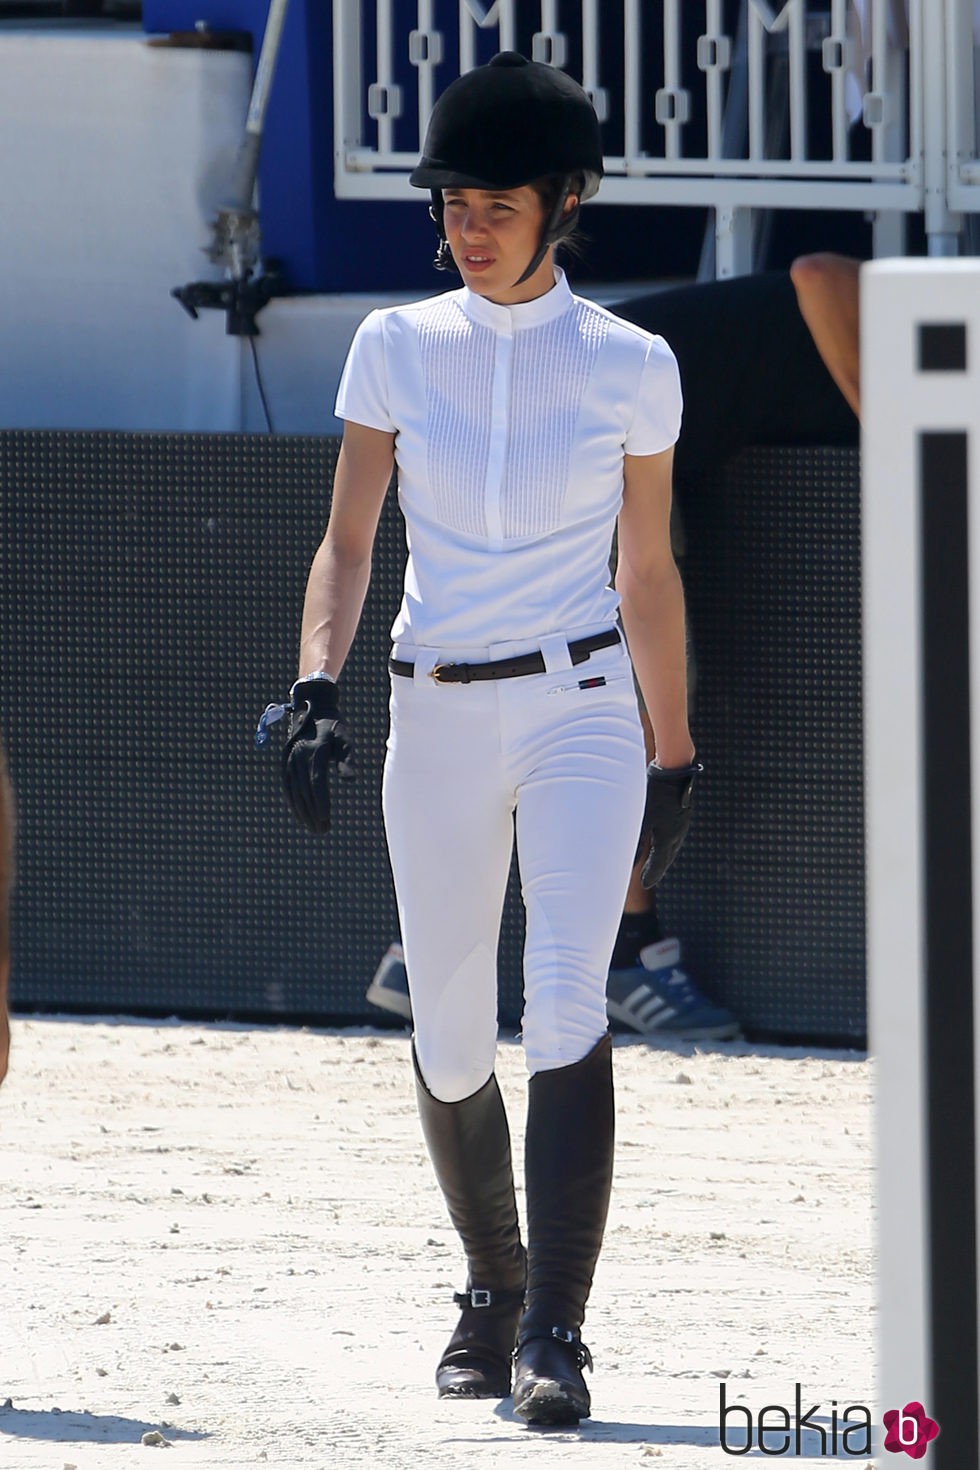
column 666, row 817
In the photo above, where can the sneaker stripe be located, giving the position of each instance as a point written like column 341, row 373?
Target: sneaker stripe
column 646, row 1002
column 659, row 1016
column 642, row 1004
column 652, row 1006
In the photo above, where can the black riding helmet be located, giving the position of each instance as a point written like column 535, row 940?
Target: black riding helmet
column 504, row 125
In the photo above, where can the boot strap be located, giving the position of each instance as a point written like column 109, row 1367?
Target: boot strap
column 583, row 1357
column 476, row 1297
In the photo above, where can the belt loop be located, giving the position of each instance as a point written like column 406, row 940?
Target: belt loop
column 425, row 661
column 554, row 650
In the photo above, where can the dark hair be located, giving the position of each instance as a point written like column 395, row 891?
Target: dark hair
column 549, row 189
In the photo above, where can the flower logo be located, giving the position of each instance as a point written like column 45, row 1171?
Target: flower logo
column 909, row 1429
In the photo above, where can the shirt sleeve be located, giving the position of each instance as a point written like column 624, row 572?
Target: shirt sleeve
column 657, row 410
column 362, row 395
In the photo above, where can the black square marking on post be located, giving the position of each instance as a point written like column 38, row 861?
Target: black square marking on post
column 942, row 347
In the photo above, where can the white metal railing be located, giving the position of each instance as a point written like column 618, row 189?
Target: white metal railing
column 720, row 112
column 963, row 104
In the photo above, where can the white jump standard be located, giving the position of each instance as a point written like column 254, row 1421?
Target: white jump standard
column 921, row 547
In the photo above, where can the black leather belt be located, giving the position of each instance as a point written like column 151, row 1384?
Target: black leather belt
column 507, row 668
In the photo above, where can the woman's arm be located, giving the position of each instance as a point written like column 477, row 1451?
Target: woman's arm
column 649, row 585
column 341, row 569
column 828, row 291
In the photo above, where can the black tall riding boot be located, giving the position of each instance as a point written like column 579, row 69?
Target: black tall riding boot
column 469, row 1144
column 568, row 1158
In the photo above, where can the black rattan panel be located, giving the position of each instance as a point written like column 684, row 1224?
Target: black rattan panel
column 769, row 893
column 151, row 597
column 149, row 608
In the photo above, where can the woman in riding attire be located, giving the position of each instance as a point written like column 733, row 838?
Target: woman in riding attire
column 523, row 421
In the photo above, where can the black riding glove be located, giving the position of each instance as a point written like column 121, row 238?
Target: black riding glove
column 666, row 817
column 318, row 739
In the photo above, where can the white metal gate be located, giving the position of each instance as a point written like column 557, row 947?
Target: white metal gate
column 721, row 112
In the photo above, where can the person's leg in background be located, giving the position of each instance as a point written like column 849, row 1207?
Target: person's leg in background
column 6, row 883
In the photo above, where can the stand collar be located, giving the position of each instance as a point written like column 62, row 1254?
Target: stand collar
column 536, row 313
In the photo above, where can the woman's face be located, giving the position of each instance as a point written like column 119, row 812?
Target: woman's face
column 493, row 237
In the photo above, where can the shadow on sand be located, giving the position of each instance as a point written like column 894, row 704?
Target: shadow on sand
column 77, row 1426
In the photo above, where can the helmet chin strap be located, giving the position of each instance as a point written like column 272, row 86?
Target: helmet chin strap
column 556, row 227
column 444, row 256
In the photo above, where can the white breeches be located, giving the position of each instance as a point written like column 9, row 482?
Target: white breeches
column 462, row 760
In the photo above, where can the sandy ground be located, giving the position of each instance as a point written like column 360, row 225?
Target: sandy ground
column 227, row 1239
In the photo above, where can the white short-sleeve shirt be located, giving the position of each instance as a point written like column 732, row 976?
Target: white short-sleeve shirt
column 510, row 424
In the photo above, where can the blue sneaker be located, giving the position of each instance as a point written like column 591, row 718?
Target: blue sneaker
column 389, row 988
column 658, row 998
